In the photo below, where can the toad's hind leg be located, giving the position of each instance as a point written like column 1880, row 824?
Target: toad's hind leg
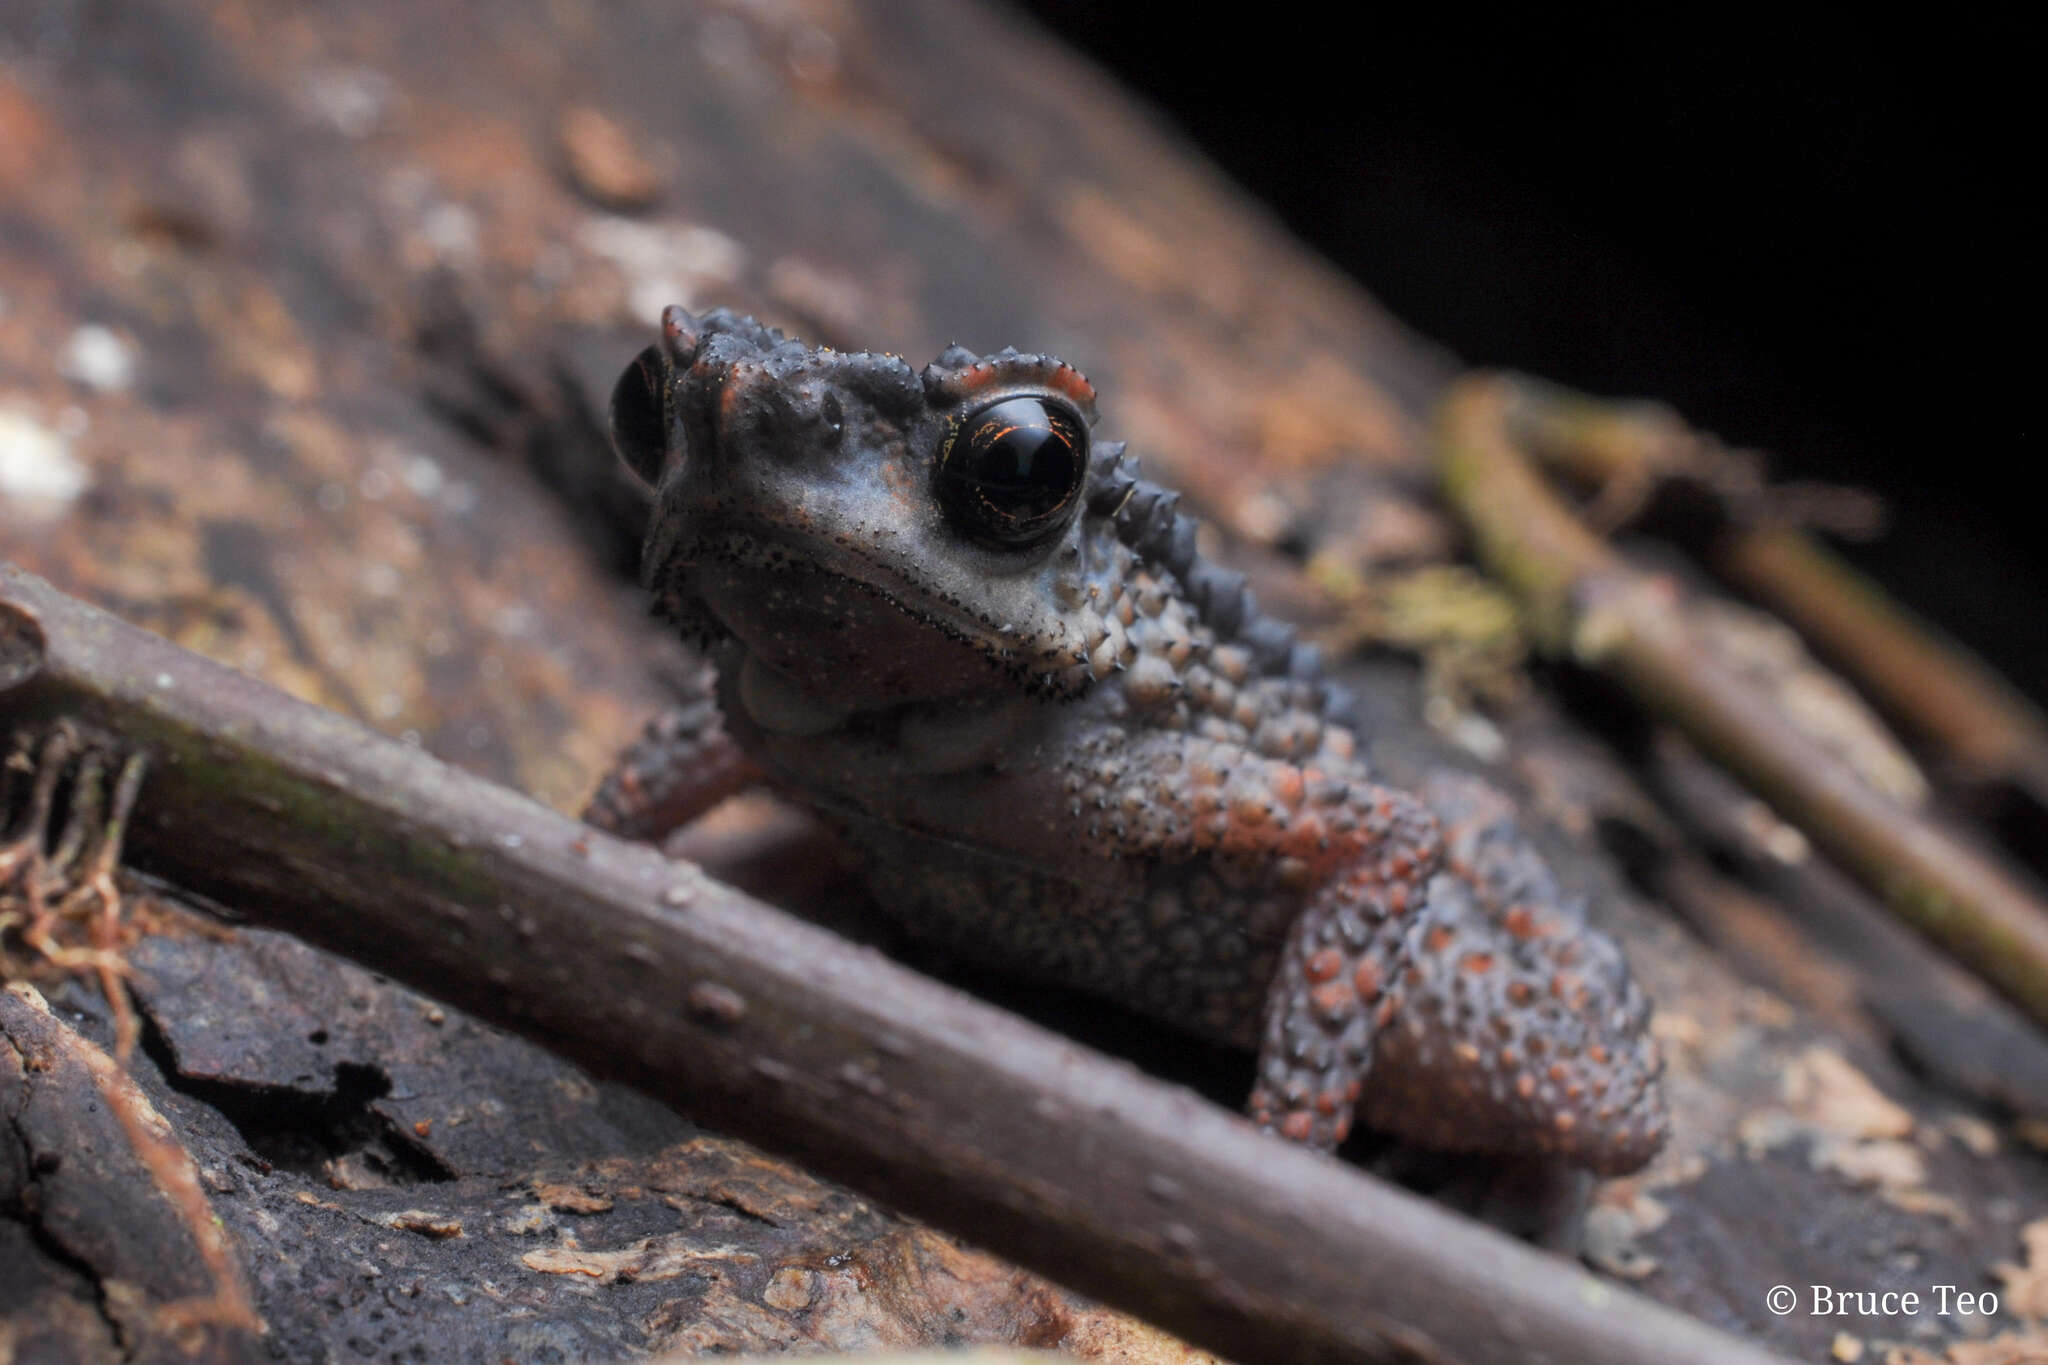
column 1519, row 1028
column 1459, row 1002
column 1339, row 978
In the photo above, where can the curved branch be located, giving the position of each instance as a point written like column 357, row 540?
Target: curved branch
column 1585, row 603
column 1931, row 686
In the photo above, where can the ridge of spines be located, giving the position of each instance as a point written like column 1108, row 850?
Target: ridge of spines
column 958, row 374
column 1148, row 519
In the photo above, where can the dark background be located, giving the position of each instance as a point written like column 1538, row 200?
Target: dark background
column 1810, row 242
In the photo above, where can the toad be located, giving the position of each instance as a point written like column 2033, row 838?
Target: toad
column 1065, row 744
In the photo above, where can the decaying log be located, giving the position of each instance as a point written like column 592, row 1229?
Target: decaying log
column 401, row 1180
column 113, row 1212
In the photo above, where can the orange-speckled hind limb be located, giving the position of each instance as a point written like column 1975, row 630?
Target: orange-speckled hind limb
column 1458, row 1001
column 1518, row 1030
column 1339, row 981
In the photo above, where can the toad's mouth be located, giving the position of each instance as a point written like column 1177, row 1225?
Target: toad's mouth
column 1030, row 638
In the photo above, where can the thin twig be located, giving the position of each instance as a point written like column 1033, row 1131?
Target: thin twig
column 1938, row 691
column 1585, row 603
column 1952, row 1026
column 786, row 1035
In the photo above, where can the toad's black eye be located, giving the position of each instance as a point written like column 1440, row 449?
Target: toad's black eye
column 640, row 416
column 1011, row 475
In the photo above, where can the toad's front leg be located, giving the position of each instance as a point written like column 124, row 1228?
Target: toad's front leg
column 683, row 764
